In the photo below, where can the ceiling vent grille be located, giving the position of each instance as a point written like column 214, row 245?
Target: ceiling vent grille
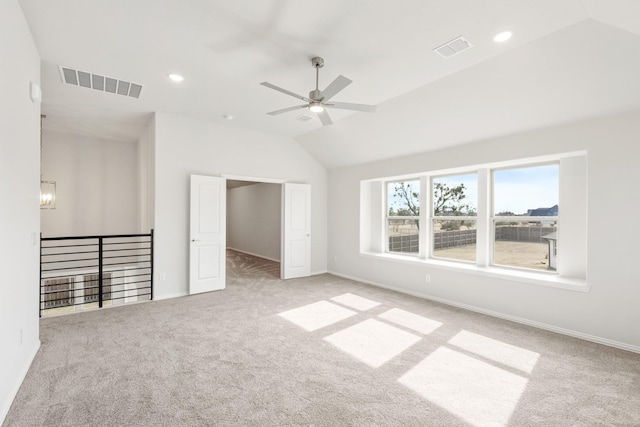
column 98, row 82
column 453, row 47
column 303, row 118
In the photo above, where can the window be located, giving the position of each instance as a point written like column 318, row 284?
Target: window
column 525, row 217
column 496, row 219
column 403, row 216
column 454, row 216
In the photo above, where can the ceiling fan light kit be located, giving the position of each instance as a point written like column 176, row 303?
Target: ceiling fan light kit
column 317, row 100
column 316, row 107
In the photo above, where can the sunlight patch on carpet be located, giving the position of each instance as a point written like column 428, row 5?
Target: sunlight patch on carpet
column 507, row 354
column 411, row 321
column 476, row 391
column 317, row 315
column 354, row 301
column 373, row 342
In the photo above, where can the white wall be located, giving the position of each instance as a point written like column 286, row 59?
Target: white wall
column 19, row 209
column 187, row 146
column 146, row 178
column 609, row 313
column 253, row 219
column 96, row 185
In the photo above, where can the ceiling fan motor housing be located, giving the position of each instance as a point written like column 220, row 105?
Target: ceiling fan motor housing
column 315, row 95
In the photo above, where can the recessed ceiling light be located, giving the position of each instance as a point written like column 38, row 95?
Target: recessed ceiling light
column 227, row 117
column 176, row 77
column 502, row 36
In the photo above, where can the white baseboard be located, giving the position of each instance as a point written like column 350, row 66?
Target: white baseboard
column 4, row 409
column 169, row 296
column 255, row 255
column 315, row 273
column 540, row 325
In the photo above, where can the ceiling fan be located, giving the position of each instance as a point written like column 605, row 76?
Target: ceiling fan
column 317, row 101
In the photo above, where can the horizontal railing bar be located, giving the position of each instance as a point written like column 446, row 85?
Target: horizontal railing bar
column 126, row 256
column 91, row 294
column 125, row 263
column 130, row 296
column 95, row 252
column 131, row 283
column 106, row 236
column 127, row 249
column 69, row 253
column 138, row 242
column 69, row 246
column 69, row 268
column 69, row 260
column 91, row 302
column 96, row 273
column 126, row 242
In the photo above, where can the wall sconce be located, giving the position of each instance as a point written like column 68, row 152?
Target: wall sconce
column 47, row 194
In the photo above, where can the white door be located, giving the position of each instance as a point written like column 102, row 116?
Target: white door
column 207, row 241
column 296, row 231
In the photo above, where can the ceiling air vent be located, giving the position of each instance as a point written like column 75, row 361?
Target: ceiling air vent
column 303, row 118
column 98, row 82
column 453, row 47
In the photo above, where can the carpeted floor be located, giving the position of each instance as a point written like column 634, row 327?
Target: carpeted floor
column 318, row 351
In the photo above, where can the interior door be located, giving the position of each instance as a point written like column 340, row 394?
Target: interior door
column 207, row 253
column 296, row 231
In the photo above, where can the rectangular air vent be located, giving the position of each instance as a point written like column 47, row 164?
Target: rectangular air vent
column 453, row 47
column 303, row 118
column 98, row 82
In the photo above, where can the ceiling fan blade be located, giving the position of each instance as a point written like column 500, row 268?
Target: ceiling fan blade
column 350, row 106
column 324, row 118
column 285, row 110
column 334, row 87
column 279, row 89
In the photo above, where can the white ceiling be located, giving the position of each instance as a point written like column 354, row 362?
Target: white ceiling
column 568, row 59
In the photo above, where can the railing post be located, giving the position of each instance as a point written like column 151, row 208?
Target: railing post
column 100, row 272
column 40, row 280
column 151, row 258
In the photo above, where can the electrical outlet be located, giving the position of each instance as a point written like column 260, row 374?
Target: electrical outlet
column 162, row 276
column 427, row 278
column 335, row 258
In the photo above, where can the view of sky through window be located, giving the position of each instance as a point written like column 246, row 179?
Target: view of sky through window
column 519, row 190
column 514, row 190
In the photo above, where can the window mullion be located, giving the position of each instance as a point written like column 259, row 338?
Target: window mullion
column 425, row 218
column 483, row 231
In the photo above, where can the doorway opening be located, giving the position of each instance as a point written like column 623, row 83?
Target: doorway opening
column 254, row 235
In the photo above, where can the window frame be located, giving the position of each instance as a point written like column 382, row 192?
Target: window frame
column 493, row 218
column 571, row 272
column 387, row 217
column 433, row 217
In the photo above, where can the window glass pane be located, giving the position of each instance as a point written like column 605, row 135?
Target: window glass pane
column 403, row 211
column 526, row 244
column 455, row 195
column 454, row 239
column 403, row 235
column 403, row 198
column 526, row 191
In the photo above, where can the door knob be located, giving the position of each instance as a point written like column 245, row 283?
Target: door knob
column 195, row 240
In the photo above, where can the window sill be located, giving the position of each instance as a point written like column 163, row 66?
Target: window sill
column 532, row 277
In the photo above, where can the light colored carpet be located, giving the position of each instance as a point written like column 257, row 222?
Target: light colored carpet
column 317, row 351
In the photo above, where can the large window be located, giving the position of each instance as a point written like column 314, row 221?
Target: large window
column 498, row 219
column 403, row 216
column 454, row 216
column 525, row 217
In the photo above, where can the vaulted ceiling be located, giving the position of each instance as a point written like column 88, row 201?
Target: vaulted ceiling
column 567, row 60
